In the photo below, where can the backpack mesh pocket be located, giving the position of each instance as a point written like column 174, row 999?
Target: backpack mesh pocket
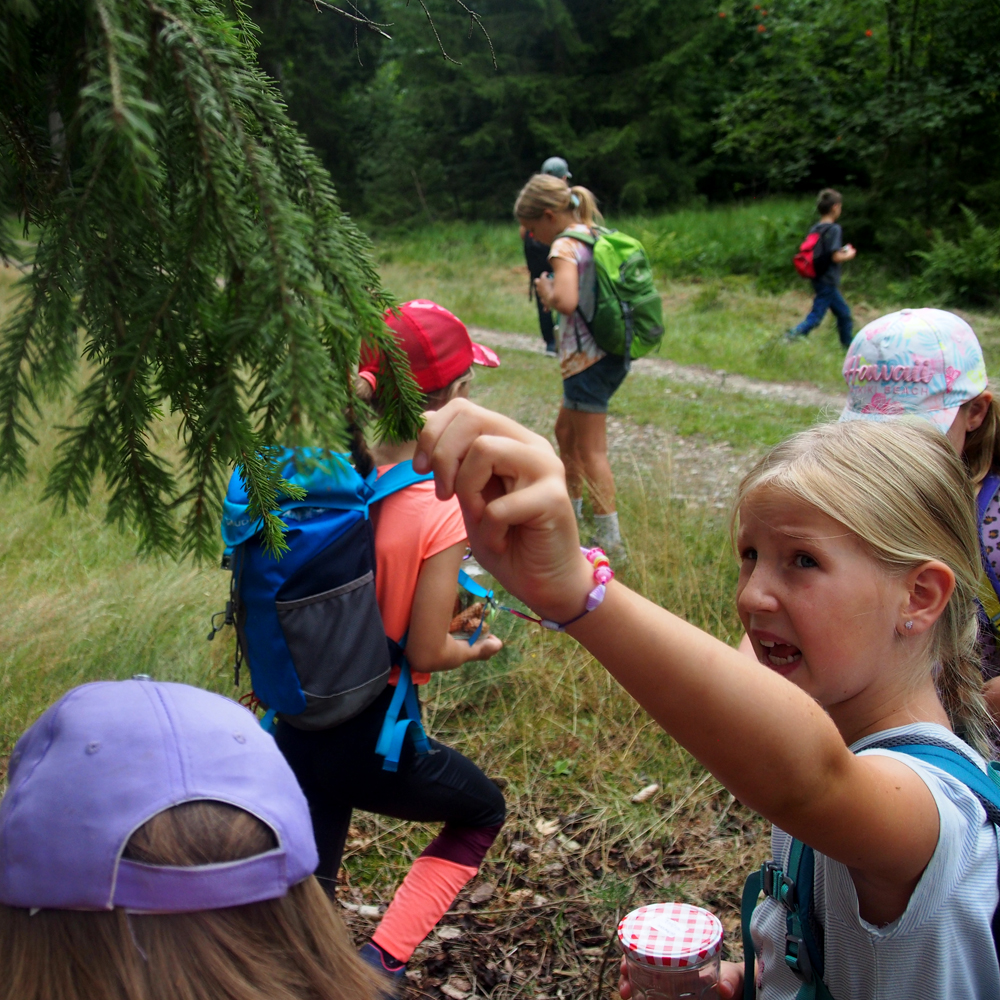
column 339, row 649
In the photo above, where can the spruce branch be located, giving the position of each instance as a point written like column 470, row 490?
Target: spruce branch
column 475, row 21
column 360, row 19
column 183, row 223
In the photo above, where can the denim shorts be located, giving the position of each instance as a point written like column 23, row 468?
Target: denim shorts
column 591, row 390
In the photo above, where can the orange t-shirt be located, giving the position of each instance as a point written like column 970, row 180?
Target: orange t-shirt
column 410, row 526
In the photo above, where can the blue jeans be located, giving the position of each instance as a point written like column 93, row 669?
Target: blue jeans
column 828, row 297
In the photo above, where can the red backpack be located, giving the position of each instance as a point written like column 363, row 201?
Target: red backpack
column 806, row 261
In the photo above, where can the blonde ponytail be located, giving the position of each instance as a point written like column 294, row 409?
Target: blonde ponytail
column 904, row 492
column 545, row 192
column 585, row 208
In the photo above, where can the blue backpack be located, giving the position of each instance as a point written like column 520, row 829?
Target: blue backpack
column 307, row 622
column 793, row 888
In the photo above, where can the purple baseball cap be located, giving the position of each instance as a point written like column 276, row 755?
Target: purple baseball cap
column 111, row 755
column 915, row 362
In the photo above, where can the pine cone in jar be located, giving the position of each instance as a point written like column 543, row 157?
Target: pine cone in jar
column 466, row 622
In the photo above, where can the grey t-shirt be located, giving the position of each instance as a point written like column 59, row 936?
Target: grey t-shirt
column 832, row 239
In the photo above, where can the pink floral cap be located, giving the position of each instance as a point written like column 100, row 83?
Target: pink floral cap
column 915, row 362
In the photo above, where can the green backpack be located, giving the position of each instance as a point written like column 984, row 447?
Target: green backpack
column 628, row 313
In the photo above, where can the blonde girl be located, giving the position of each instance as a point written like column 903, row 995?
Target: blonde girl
column 548, row 208
column 858, row 569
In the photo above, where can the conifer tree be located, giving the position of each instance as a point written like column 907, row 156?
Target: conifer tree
column 189, row 246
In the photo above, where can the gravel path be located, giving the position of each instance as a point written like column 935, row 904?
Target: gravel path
column 698, row 471
column 797, row 393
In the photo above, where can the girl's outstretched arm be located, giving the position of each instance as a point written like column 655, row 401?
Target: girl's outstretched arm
column 765, row 739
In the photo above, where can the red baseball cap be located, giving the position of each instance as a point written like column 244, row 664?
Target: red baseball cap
column 436, row 342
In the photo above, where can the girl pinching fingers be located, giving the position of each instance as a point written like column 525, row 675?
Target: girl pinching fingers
column 512, row 488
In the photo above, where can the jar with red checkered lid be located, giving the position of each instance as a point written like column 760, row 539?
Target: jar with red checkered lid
column 672, row 950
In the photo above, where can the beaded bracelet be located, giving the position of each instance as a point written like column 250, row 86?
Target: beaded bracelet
column 603, row 574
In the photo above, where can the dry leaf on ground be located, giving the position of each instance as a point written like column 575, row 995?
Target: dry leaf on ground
column 645, row 794
column 567, row 844
column 547, row 827
column 482, row 893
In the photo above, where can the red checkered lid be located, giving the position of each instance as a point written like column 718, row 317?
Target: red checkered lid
column 671, row 934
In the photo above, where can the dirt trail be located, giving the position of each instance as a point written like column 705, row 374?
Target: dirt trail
column 796, row 393
column 698, row 471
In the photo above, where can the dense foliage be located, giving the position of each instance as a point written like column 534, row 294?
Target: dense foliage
column 183, row 224
column 654, row 103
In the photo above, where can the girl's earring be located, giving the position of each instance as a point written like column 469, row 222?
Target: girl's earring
column 908, row 626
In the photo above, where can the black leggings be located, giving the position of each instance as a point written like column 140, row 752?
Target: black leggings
column 339, row 771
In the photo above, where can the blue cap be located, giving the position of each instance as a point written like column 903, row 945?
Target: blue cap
column 556, row 166
column 109, row 756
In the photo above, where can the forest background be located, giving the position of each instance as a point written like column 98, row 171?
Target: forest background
column 657, row 104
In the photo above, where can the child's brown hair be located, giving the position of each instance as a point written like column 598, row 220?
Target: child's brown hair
column 291, row 948
column 828, row 197
column 982, row 445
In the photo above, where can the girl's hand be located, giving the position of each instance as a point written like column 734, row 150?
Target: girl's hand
column 730, row 981
column 544, row 285
column 512, row 488
column 485, row 647
column 730, row 986
column 624, row 986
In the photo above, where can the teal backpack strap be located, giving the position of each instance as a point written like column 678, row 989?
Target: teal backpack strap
column 402, row 714
column 393, row 480
column 751, row 890
column 803, row 953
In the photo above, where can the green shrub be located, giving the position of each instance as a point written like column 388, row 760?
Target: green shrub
column 966, row 270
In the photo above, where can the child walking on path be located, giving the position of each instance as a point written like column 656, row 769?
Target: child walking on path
column 830, row 252
column 590, row 376
column 859, row 564
column 154, row 845
column 419, row 545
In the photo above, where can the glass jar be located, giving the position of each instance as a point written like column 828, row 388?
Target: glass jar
column 672, row 950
